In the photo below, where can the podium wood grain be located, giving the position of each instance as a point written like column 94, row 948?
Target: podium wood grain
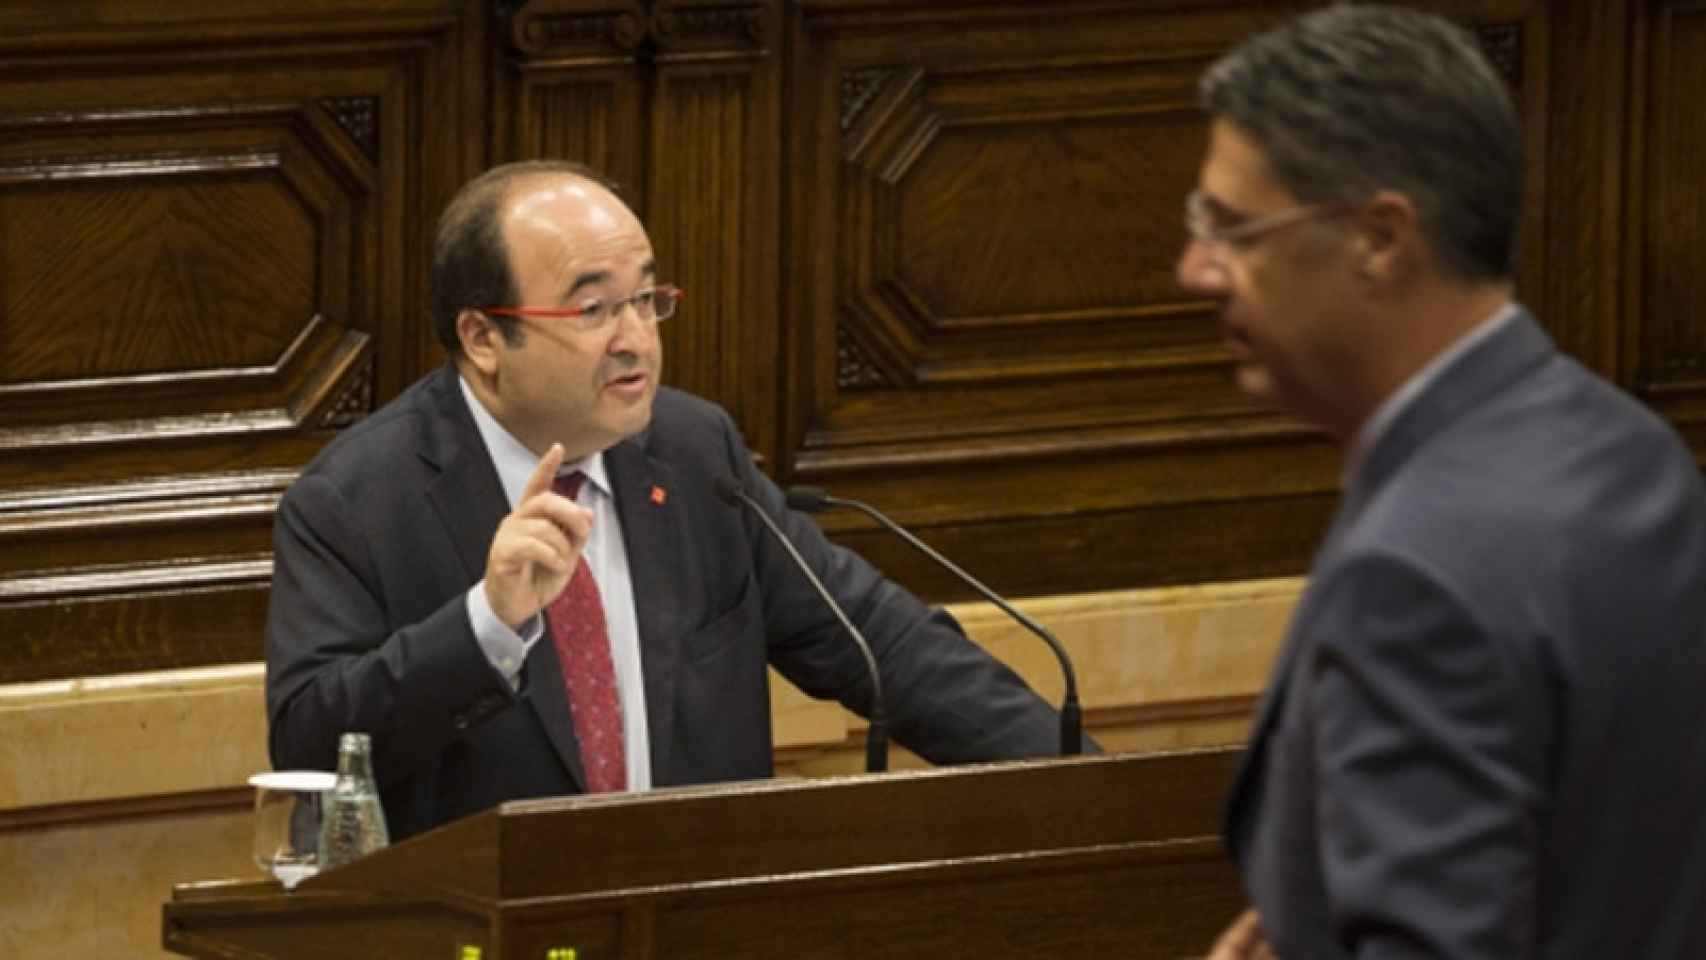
column 1094, row 856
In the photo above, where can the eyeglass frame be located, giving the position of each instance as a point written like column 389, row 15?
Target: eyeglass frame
column 1198, row 222
column 675, row 294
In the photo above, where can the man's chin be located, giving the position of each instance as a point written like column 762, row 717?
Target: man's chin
column 632, row 420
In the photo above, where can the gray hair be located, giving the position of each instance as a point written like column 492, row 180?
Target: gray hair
column 1352, row 99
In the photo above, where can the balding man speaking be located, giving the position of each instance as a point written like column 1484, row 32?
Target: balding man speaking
column 519, row 578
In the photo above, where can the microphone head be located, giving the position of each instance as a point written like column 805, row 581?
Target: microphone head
column 807, row 499
column 727, row 489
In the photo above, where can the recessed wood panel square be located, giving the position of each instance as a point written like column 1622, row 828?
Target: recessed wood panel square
column 1047, row 221
column 117, row 277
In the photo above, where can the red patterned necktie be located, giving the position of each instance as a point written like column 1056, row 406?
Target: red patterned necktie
column 576, row 619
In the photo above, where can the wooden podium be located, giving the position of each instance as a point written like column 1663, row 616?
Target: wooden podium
column 1079, row 857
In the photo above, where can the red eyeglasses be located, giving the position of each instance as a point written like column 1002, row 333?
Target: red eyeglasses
column 650, row 305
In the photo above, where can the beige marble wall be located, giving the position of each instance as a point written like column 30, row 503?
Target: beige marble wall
column 1157, row 669
column 93, row 888
column 76, row 741
column 113, row 789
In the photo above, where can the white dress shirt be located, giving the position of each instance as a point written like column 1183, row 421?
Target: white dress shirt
column 606, row 556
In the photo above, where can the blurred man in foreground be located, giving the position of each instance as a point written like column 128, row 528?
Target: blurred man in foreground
column 1481, row 738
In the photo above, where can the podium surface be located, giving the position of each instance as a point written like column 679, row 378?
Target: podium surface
column 1113, row 855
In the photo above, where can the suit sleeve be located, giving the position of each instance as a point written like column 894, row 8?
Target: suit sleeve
column 1427, row 818
column 946, row 698
column 334, row 662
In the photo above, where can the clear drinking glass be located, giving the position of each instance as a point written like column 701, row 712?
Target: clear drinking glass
column 289, row 805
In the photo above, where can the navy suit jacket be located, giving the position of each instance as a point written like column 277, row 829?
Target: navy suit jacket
column 381, row 537
column 1483, row 736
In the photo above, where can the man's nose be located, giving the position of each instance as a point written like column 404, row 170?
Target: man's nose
column 629, row 328
column 1199, row 270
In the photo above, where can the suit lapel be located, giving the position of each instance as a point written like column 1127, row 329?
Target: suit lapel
column 1507, row 355
column 466, row 495
column 470, row 502
column 657, row 569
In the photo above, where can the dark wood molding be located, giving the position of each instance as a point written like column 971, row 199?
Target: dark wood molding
column 558, row 29
column 716, row 32
column 358, row 116
column 854, row 367
column 88, row 813
column 354, row 399
column 859, row 87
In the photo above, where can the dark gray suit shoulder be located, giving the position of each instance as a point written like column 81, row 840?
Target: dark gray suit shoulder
column 1559, row 451
column 681, row 420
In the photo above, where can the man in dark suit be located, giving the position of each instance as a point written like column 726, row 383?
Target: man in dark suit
column 518, row 576
column 1482, row 737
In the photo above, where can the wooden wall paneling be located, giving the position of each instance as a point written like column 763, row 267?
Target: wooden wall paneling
column 156, row 617
column 569, row 86
column 457, row 142
column 1666, row 223
column 963, row 332
column 145, row 269
column 984, row 211
column 983, row 222
column 713, row 199
column 1517, row 37
column 1579, row 300
column 185, row 25
column 206, row 236
column 812, row 108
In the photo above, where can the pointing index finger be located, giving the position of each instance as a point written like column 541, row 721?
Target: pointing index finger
column 544, row 474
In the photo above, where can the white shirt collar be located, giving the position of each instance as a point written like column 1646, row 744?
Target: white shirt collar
column 514, row 462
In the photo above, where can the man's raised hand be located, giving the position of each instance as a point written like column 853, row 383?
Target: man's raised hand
column 536, row 547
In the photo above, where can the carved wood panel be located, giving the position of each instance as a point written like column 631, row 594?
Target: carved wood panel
column 928, row 251
column 988, row 223
column 1668, row 219
column 984, row 220
column 149, row 299
column 206, row 265
column 712, row 203
column 570, row 88
column 993, row 348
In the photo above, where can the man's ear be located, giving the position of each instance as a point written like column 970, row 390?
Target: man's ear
column 1389, row 237
column 480, row 338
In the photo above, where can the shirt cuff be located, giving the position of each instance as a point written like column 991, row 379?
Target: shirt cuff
column 504, row 648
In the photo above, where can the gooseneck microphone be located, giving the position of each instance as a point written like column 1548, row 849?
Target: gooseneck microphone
column 814, row 499
column 876, row 737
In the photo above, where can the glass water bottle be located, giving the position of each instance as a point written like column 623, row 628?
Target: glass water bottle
column 354, row 823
